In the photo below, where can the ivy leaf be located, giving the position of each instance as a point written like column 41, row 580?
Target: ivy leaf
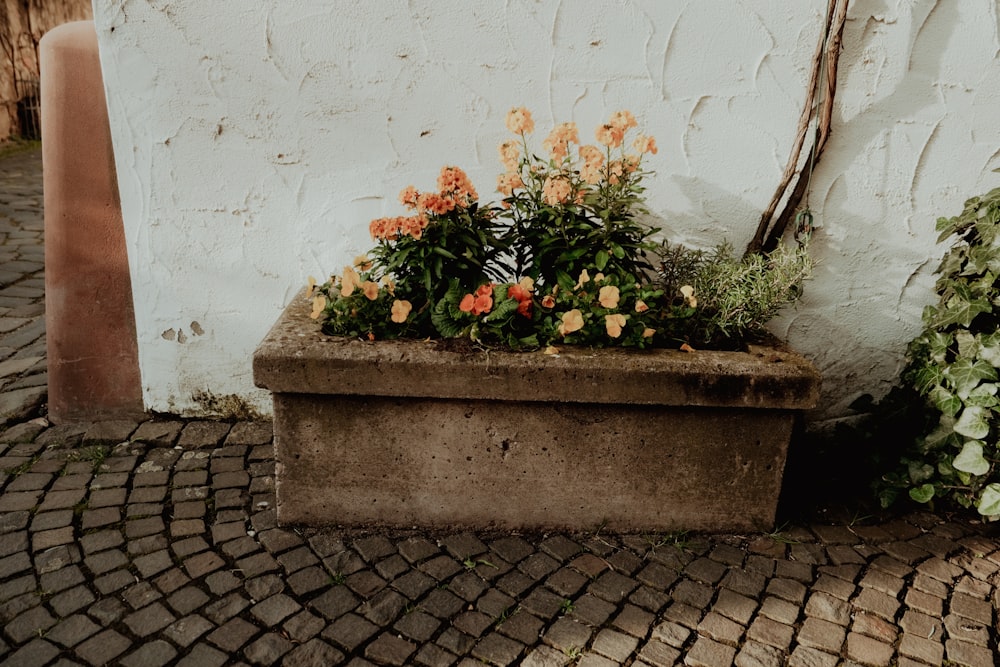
column 989, row 502
column 966, row 374
column 945, row 401
column 972, row 423
column 989, row 349
column 968, row 346
column 983, row 396
column 971, row 460
column 961, row 309
column 923, row 494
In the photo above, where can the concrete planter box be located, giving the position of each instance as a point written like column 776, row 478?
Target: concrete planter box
column 406, row 434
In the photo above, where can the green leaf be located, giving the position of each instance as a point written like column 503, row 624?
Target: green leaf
column 971, row 459
column 961, row 310
column 989, row 502
column 922, row 494
column 966, row 374
column 972, row 423
column 945, row 401
column 601, row 260
column 444, row 253
column 989, row 349
column 968, row 346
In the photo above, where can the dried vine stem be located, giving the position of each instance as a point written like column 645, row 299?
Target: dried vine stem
column 827, row 50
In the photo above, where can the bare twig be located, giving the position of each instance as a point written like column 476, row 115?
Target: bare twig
column 828, row 48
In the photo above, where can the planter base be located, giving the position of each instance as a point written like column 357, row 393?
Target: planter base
column 655, row 441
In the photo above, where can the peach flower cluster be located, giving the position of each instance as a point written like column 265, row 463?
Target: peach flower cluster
column 556, row 190
column 519, row 121
column 593, row 160
column 613, row 132
column 557, row 143
column 455, row 190
column 455, row 185
column 389, row 229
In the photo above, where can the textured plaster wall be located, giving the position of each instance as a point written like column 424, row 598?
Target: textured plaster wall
column 255, row 139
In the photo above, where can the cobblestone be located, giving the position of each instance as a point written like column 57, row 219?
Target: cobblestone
column 168, row 552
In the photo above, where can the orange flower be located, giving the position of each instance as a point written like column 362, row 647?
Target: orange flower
column 435, row 203
column 645, row 144
column 312, row 286
column 519, row 121
column 455, row 184
column 517, row 292
column 614, row 323
column 510, row 154
column 556, row 190
column 527, row 283
column 485, row 290
column 648, row 333
column 584, row 279
column 370, row 290
column 548, row 301
column 400, row 311
column 468, row 301
column 608, row 296
column 408, row 197
column 349, row 282
column 523, row 297
column 507, row 183
column 319, row 305
column 592, row 155
column 640, row 306
column 609, row 135
column 624, row 120
column 362, row 263
column 571, row 321
column 557, row 143
column 483, row 304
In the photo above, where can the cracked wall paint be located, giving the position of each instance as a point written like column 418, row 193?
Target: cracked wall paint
column 254, row 141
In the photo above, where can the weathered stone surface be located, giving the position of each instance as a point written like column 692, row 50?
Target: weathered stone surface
column 476, row 453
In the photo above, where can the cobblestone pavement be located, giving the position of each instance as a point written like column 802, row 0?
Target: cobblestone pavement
column 155, row 543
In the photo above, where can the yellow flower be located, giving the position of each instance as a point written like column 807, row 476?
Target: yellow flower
column 609, row 296
column 400, row 311
column 362, row 263
column 648, row 333
column 527, row 283
column 584, row 279
column 688, row 293
column 389, row 285
column 319, row 305
column 312, row 287
column 370, row 290
column 571, row 321
column 349, row 282
column 551, row 349
column 640, row 306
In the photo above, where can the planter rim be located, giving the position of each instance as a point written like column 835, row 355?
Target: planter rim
column 296, row 357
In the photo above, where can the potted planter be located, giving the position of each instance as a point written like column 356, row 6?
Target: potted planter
column 412, row 433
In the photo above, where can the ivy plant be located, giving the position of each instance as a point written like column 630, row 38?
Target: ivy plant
column 954, row 365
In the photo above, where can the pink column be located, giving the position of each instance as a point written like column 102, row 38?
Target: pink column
column 93, row 360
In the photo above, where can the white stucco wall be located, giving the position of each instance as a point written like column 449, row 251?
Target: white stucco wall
column 255, row 139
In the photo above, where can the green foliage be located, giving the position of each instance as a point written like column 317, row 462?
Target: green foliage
column 735, row 296
column 588, row 225
column 953, row 366
column 563, row 259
